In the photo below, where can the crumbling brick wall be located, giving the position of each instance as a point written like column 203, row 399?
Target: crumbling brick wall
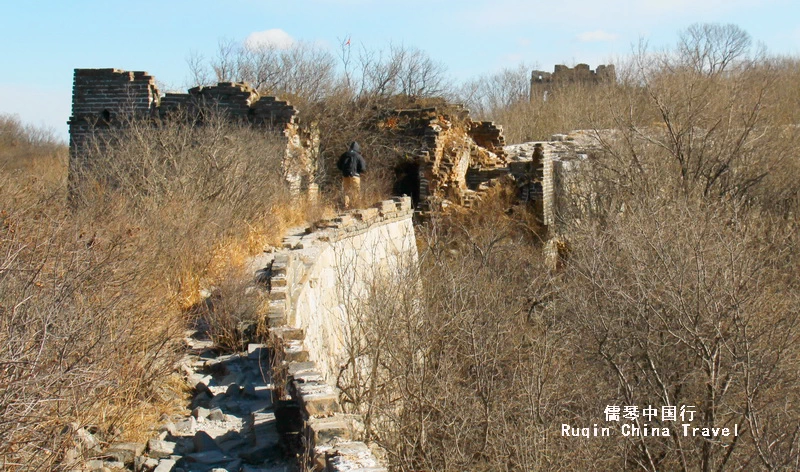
column 103, row 98
column 99, row 96
column 544, row 83
column 448, row 145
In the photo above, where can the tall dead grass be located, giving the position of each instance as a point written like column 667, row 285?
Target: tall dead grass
column 93, row 294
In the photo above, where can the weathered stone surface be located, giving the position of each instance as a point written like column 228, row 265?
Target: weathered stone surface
column 216, row 415
column 256, row 351
column 352, row 456
column 295, row 368
column 150, row 463
column 200, row 413
column 325, row 431
column 294, row 351
column 95, row 464
column 318, row 399
column 309, row 376
column 367, row 215
column 277, row 293
column 125, row 452
column 160, row 449
column 387, row 206
column 165, row 465
column 187, row 426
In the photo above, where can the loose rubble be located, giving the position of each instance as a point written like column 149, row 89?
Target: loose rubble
column 232, row 425
column 229, row 426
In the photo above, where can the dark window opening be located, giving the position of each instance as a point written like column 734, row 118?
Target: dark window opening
column 406, row 181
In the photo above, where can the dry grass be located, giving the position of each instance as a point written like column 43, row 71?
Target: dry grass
column 93, row 295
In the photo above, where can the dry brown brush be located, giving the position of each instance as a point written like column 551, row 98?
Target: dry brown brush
column 679, row 288
column 93, row 295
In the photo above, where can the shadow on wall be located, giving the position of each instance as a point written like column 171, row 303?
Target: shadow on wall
column 406, row 181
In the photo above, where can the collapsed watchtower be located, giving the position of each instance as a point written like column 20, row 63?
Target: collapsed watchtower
column 545, row 83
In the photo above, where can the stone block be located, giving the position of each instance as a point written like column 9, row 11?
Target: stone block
column 278, row 280
column 279, row 268
column 200, row 412
column 294, row 351
column 125, row 452
column 287, row 333
column 203, row 442
column 367, row 215
column 387, row 206
column 276, row 315
column 276, row 307
column 281, row 260
column 256, row 351
column 294, row 368
column 96, row 464
column 328, row 430
column 317, row 399
column 216, row 415
column 352, row 456
column 150, row 464
column 343, row 220
column 186, row 427
column 403, row 203
column 160, row 449
column 278, row 293
column 309, row 376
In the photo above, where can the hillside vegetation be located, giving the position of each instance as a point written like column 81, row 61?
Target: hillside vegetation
column 677, row 283
column 97, row 290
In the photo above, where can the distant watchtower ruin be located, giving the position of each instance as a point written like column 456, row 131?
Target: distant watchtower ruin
column 103, row 99
column 545, row 83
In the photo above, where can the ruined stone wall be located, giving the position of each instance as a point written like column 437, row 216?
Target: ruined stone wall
column 543, row 83
column 99, row 96
column 450, row 145
column 319, row 282
column 558, row 162
column 104, row 98
column 320, row 276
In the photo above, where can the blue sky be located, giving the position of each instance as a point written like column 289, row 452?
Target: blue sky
column 43, row 41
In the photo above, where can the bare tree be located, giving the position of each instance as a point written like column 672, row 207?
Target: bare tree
column 489, row 95
column 710, row 48
column 400, row 70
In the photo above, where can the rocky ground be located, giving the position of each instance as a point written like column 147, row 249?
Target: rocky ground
column 230, row 425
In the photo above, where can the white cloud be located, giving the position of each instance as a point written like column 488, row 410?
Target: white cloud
column 276, row 38
column 597, row 36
